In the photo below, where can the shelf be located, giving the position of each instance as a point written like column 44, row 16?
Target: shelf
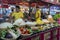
column 55, row 32
column 55, row 38
column 43, row 35
column 47, row 36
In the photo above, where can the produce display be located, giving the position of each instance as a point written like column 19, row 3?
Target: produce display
column 46, row 21
column 25, row 31
column 22, row 28
column 50, row 18
column 56, row 16
column 11, row 31
column 26, row 20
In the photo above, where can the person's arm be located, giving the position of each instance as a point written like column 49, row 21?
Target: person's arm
column 22, row 15
column 38, row 14
column 12, row 18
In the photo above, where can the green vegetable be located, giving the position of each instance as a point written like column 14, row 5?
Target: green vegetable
column 2, row 33
column 56, row 16
column 30, row 30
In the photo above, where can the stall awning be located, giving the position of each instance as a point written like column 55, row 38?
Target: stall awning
column 10, row 1
column 4, row 6
column 52, row 1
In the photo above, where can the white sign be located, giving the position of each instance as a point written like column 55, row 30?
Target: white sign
column 51, row 0
column 57, row 10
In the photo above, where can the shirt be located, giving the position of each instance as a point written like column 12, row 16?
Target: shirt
column 17, row 15
column 38, row 14
column 8, row 12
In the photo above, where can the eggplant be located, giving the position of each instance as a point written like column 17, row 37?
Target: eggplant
column 13, row 34
column 8, row 35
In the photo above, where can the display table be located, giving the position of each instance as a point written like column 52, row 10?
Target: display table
column 48, row 34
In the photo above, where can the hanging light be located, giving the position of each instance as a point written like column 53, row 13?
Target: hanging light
column 51, row 0
column 28, row 0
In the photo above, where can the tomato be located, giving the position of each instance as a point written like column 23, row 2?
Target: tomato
column 21, row 29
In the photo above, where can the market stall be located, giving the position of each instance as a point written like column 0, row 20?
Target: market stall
column 31, row 26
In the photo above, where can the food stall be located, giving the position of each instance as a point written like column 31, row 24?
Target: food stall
column 45, row 29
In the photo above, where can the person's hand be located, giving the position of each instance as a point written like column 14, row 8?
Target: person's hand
column 29, row 17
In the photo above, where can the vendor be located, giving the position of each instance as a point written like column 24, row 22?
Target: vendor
column 17, row 14
column 26, row 13
column 38, row 16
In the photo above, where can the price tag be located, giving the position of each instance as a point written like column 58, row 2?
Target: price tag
column 54, row 32
column 36, row 38
column 46, row 35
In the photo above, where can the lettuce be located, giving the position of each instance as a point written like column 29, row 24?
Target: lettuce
column 56, row 16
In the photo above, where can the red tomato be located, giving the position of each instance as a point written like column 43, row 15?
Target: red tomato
column 22, row 29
